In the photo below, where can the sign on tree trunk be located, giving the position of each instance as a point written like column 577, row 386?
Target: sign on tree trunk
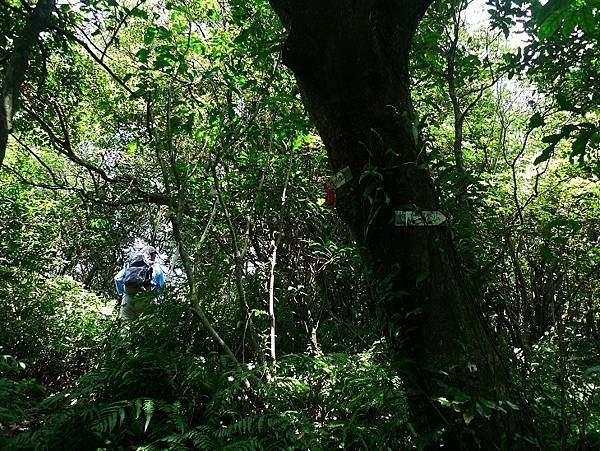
column 420, row 218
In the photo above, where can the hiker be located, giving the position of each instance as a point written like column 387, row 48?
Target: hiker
column 135, row 283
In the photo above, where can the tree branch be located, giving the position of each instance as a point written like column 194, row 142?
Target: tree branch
column 193, row 294
column 95, row 57
column 116, row 31
column 237, row 258
column 276, row 240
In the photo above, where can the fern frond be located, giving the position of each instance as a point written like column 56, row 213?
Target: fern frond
column 249, row 444
column 148, row 412
column 109, row 417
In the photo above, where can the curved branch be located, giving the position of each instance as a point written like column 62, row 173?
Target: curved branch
column 193, row 294
column 116, row 31
column 95, row 57
column 238, row 271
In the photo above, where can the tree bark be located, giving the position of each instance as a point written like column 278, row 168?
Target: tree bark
column 350, row 59
column 37, row 22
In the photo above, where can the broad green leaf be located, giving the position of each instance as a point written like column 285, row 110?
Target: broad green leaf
column 468, row 417
column 551, row 8
column 545, row 155
column 139, row 13
column 553, row 139
column 565, row 102
column 511, row 404
column 143, row 54
column 443, row 401
column 580, row 143
column 483, row 409
column 570, row 20
column 550, row 26
column 591, row 370
column 587, row 21
column 536, row 121
column 568, row 129
column 149, row 35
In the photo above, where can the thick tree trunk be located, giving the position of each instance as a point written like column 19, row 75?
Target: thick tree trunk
column 17, row 66
column 350, row 59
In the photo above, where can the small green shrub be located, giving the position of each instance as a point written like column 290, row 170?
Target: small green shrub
column 53, row 325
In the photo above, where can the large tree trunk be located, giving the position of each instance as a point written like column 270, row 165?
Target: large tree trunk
column 350, row 59
column 37, row 22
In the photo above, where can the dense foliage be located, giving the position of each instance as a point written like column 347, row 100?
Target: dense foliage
column 175, row 124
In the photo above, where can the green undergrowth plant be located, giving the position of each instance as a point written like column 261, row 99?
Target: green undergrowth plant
column 19, row 397
column 562, row 378
column 53, row 325
column 147, row 383
column 313, row 402
column 154, row 388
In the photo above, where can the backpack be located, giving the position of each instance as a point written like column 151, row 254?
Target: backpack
column 138, row 275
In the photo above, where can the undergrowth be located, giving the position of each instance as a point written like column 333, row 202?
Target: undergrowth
column 152, row 388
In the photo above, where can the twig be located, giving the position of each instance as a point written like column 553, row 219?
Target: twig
column 237, row 257
column 193, row 294
column 114, row 76
column 275, row 241
column 116, row 31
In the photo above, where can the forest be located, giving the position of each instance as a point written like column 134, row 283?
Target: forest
column 378, row 223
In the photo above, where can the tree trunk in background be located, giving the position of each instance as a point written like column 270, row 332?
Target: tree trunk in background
column 350, row 59
column 17, row 66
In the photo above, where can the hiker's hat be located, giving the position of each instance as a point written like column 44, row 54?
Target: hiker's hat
column 148, row 250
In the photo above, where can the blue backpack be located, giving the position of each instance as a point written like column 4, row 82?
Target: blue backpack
column 138, row 276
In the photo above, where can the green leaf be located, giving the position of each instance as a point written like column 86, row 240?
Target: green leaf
column 143, row 54
column 536, row 121
column 468, row 417
column 587, row 22
column 580, row 143
column 443, row 401
column 149, row 35
column 550, row 26
column 240, row 38
column 483, row 409
column 148, row 411
column 553, row 7
column 545, row 155
column 564, row 102
column 552, row 139
column 164, row 32
column 570, row 19
column 511, row 404
column 162, row 61
column 458, row 395
column 568, row 129
column 591, row 370
column 139, row 13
